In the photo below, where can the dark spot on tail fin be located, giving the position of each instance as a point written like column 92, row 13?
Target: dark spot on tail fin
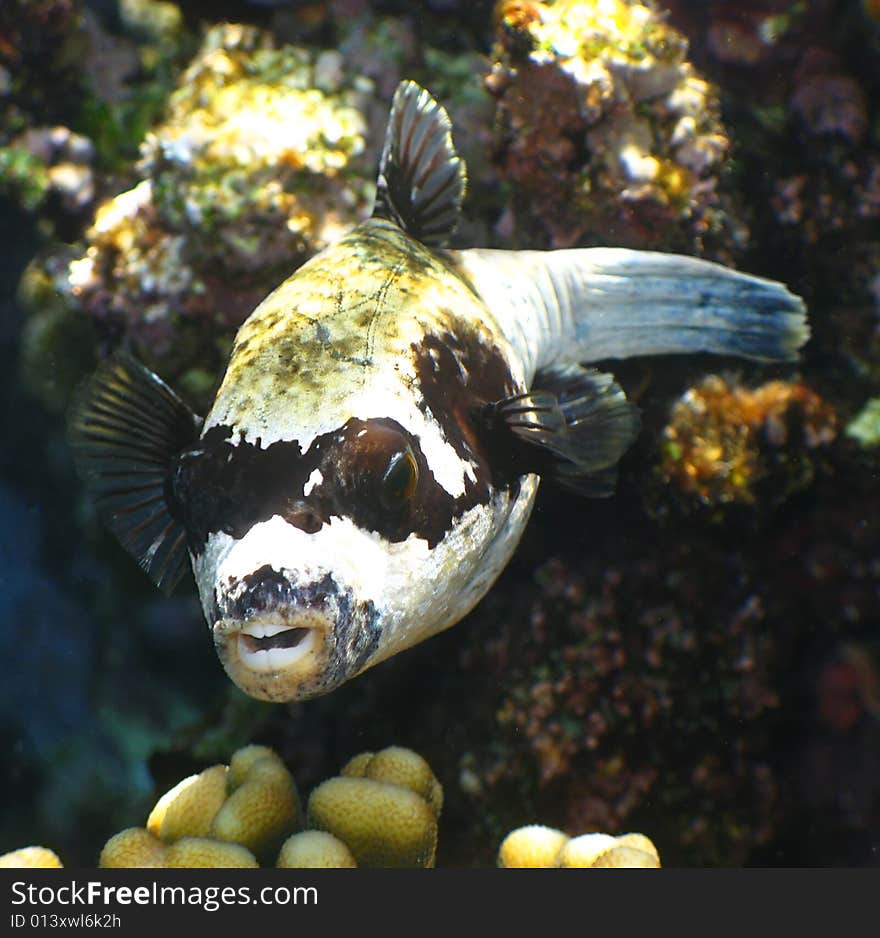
column 573, row 427
column 125, row 429
column 421, row 177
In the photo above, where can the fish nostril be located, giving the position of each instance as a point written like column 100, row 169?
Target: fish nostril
column 306, row 519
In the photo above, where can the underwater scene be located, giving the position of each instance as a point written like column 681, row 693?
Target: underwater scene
column 291, row 596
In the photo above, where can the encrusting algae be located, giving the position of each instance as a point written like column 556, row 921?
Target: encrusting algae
column 258, row 163
column 605, row 125
column 724, row 441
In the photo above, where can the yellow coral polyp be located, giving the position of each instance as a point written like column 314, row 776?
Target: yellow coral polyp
column 188, row 809
column 313, row 850
column 641, row 843
column 536, row 846
column 30, row 858
column 263, row 809
column 133, row 848
column 602, row 851
column 531, row 847
column 400, row 766
column 356, row 767
column 244, row 759
column 240, row 815
column 582, row 852
column 384, row 825
column 202, row 852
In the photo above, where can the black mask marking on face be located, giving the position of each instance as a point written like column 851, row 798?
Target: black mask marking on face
column 459, row 376
column 371, row 471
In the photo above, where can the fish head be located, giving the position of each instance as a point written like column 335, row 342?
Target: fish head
column 313, row 566
column 343, row 501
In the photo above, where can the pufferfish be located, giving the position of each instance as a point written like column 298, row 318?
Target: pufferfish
column 374, row 449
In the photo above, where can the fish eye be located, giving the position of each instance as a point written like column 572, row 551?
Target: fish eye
column 400, row 479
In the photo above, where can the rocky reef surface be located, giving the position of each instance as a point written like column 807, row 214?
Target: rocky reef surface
column 696, row 658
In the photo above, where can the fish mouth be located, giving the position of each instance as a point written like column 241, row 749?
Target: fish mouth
column 264, row 647
column 276, row 656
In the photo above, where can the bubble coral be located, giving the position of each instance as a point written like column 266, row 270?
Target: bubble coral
column 30, row 858
column 315, row 850
column 728, row 443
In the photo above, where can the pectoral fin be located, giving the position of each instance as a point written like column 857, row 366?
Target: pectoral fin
column 573, row 427
column 125, row 429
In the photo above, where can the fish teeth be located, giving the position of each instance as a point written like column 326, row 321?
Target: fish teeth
column 273, row 659
column 264, row 630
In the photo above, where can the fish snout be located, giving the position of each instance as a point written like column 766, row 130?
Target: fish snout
column 277, row 655
column 280, row 640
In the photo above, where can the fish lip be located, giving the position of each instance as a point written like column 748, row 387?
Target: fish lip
column 261, row 656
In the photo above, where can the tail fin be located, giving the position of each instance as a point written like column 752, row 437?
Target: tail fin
column 587, row 304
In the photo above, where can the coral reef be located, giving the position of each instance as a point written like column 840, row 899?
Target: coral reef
column 258, row 163
column 188, row 809
column 600, row 851
column 263, row 804
column 590, row 724
column 729, row 443
column 397, row 765
column 138, row 848
column 638, row 666
column 607, row 131
column 134, row 847
column 43, row 163
column 42, row 46
column 531, row 847
column 384, row 807
column 315, row 850
column 228, row 814
column 383, row 812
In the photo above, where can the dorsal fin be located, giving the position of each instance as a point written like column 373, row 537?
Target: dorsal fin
column 125, row 429
column 421, row 177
